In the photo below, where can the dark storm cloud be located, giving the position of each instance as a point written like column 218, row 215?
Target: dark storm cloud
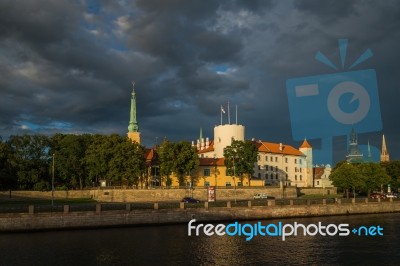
column 67, row 65
column 328, row 11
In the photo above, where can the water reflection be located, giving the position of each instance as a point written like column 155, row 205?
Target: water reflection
column 170, row 245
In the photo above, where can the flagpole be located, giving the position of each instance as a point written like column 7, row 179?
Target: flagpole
column 236, row 114
column 229, row 114
column 220, row 109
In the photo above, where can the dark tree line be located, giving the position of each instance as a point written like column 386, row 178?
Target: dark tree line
column 366, row 177
column 26, row 161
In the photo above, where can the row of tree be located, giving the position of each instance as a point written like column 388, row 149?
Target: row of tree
column 366, row 177
column 27, row 161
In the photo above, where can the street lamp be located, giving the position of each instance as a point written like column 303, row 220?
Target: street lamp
column 52, row 184
column 215, row 169
column 234, row 177
column 215, row 176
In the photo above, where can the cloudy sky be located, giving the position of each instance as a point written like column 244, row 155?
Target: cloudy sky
column 67, row 66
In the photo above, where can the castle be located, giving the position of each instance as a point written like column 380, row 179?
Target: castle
column 278, row 164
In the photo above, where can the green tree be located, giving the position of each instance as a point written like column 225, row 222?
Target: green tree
column 240, row 158
column 31, row 161
column 347, row 176
column 374, row 176
column 98, row 156
column 180, row 158
column 185, row 161
column 115, row 159
column 127, row 163
column 69, row 151
column 7, row 180
column 166, row 157
column 393, row 170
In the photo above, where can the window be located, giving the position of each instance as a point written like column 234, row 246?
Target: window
column 266, row 167
column 240, row 184
column 295, row 169
column 317, row 183
column 266, row 176
column 228, row 184
column 300, row 177
column 295, row 160
column 300, row 161
column 206, row 172
column 266, row 158
column 300, row 170
column 272, row 159
column 286, row 169
column 259, row 175
column 258, row 157
column 276, row 159
column 276, row 168
column 206, row 184
column 295, row 177
column 286, row 160
column 276, row 176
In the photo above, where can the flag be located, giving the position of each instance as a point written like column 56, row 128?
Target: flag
column 222, row 109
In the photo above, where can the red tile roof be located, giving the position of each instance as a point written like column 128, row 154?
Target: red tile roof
column 318, row 172
column 212, row 162
column 305, row 144
column 269, row 147
column 150, row 154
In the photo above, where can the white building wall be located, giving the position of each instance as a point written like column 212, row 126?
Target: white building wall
column 273, row 168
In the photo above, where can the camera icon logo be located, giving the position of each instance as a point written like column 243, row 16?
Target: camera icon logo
column 325, row 106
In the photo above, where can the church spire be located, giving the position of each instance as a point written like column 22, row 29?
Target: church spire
column 133, row 127
column 384, row 153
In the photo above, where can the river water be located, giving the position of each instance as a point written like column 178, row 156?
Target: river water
column 171, row 245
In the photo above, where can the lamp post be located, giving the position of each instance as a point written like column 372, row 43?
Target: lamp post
column 234, row 177
column 215, row 175
column 52, row 184
column 215, row 170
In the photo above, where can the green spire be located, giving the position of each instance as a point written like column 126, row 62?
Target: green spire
column 133, row 125
column 201, row 134
column 369, row 153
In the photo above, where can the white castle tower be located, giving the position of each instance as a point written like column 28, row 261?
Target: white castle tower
column 223, row 136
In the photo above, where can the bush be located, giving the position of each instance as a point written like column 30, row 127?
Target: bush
column 42, row 186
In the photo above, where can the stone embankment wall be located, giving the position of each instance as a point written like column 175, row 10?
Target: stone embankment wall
column 317, row 191
column 11, row 222
column 157, row 195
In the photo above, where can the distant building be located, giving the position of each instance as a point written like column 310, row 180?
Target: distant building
column 384, row 153
column 354, row 153
column 321, row 176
